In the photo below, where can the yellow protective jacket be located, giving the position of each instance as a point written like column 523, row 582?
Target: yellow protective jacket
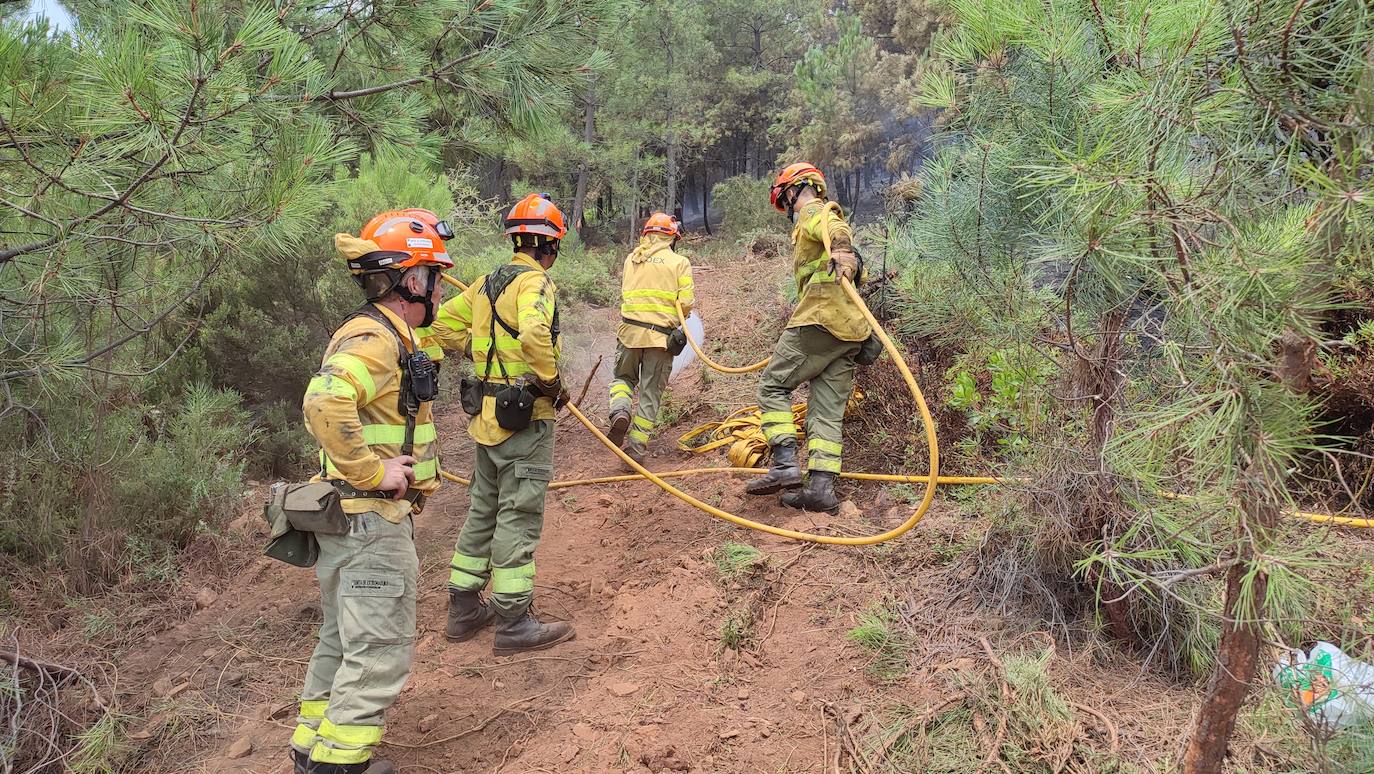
column 527, row 305
column 654, row 277
column 820, row 299
column 352, row 407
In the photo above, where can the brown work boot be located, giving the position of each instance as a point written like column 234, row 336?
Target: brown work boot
column 783, row 474
column 635, row 452
column 373, row 766
column 467, row 615
column 620, row 424
column 818, row 495
column 525, row 632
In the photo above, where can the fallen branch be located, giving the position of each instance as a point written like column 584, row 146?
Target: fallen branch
column 49, row 668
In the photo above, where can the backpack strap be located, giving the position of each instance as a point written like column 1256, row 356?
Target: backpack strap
column 408, row 407
column 495, row 284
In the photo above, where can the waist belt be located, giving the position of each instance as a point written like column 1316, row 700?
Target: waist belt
column 665, row 330
column 347, row 490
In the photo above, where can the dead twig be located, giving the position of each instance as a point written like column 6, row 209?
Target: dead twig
column 917, row 722
column 586, row 385
column 474, row 729
column 1106, row 721
column 994, row 754
column 48, row 668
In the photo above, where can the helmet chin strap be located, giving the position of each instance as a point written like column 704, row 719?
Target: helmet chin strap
column 427, row 298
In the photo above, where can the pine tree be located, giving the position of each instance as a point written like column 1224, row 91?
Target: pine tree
column 1158, row 198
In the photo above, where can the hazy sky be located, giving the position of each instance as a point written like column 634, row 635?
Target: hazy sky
column 56, row 13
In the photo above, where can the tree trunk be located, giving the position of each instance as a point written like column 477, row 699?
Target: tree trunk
column 670, row 178
column 1238, row 653
column 1102, row 380
column 633, row 204
column 588, row 134
column 705, row 199
column 670, row 173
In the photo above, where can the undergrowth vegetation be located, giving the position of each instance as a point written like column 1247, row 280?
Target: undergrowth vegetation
column 1141, row 283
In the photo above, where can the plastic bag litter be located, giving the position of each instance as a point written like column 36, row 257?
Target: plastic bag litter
column 1336, row 690
column 686, row 357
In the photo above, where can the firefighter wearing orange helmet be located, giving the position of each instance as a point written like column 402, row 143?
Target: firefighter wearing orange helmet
column 509, row 319
column 654, row 279
column 370, row 409
column 819, row 346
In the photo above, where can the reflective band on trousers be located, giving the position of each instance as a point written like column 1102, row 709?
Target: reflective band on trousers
column 463, row 571
column 823, row 464
column 512, row 580
column 304, row 736
column 779, row 430
column 644, row 424
column 822, row 445
column 636, row 434
column 775, row 417
column 314, row 709
column 345, row 744
column 621, row 388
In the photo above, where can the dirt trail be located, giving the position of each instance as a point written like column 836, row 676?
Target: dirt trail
column 648, row 684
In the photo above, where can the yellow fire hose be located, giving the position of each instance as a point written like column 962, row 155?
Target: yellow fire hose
column 931, row 479
column 707, row 360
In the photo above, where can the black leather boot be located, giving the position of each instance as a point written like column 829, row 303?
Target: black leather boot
column 620, row 424
column 373, row 766
column 467, row 615
column 300, row 762
column 782, row 474
column 818, row 494
column 525, row 632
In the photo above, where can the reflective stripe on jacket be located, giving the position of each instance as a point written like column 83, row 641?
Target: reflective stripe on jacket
column 352, row 408
column 653, row 279
column 820, row 299
column 527, row 305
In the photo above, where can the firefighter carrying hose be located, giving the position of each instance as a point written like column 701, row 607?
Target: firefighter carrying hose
column 655, row 278
column 819, row 346
column 369, row 407
column 509, row 319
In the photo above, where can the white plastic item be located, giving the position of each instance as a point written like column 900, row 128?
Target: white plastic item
column 1336, row 690
column 687, row 356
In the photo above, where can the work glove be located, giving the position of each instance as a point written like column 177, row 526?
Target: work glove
column 554, row 390
column 845, row 262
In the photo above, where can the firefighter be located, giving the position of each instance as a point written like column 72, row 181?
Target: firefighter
column 655, row 278
column 369, row 408
column 509, row 318
column 819, row 345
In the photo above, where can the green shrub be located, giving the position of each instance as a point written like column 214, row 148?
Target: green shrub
column 744, row 207
column 104, row 485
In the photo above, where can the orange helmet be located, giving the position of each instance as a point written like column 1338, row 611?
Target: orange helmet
column 402, row 240
column 662, row 223
column 802, row 172
column 536, row 214
column 430, row 219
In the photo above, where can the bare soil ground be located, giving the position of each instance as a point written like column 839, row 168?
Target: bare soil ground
column 650, row 683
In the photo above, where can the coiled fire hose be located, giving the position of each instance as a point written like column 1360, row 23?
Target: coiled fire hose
column 931, row 479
